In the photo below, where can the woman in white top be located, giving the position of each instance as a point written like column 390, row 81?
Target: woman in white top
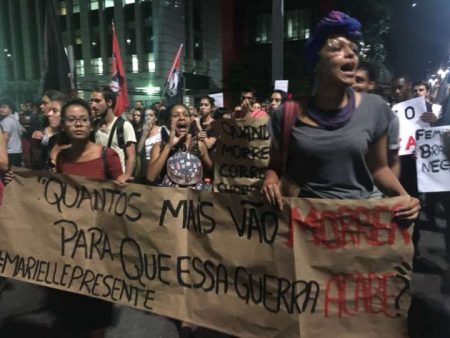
column 151, row 133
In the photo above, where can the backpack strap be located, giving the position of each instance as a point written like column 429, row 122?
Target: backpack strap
column 118, row 125
column 291, row 110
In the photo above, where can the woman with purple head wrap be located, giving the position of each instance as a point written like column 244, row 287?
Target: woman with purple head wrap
column 335, row 23
column 337, row 144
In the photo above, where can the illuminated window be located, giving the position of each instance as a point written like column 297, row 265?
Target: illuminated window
column 62, row 8
column 263, row 29
column 94, row 4
column 151, row 63
column 76, row 6
column 79, row 65
column 297, row 24
column 97, row 65
column 134, row 63
column 109, row 3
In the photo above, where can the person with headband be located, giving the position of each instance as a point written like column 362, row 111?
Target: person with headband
column 337, row 143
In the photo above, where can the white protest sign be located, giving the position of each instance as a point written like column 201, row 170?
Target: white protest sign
column 436, row 110
column 409, row 113
column 433, row 166
column 281, row 85
column 218, row 99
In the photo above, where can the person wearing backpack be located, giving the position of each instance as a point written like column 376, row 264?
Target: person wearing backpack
column 112, row 131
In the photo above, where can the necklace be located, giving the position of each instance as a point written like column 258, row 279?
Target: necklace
column 333, row 119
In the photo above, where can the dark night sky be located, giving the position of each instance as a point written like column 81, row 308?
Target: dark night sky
column 419, row 38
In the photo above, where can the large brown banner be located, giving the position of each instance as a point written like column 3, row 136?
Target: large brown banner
column 222, row 261
column 360, row 260
column 242, row 155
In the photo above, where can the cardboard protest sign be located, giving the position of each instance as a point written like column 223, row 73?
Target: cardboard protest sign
column 409, row 113
column 433, row 166
column 218, row 99
column 360, row 262
column 175, row 252
column 221, row 261
column 242, row 155
column 281, row 85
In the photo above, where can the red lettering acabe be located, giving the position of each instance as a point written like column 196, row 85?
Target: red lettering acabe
column 334, row 229
column 349, row 295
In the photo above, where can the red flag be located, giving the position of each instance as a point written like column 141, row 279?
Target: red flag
column 118, row 81
column 173, row 91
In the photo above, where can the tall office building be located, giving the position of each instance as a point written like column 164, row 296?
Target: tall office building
column 149, row 33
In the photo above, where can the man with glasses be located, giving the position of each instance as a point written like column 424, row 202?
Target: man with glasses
column 245, row 108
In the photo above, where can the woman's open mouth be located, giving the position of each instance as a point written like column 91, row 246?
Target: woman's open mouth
column 182, row 126
column 349, row 69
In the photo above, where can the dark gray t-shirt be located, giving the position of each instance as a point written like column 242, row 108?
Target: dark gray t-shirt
column 331, row 163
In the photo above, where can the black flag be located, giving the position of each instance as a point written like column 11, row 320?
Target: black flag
column 56, row 69
column 173, row 90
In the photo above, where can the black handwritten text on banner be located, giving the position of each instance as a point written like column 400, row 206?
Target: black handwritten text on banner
column 217, row 260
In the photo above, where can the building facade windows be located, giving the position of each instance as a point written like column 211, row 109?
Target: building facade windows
column 94, row 5
column 97, row 66
column 108, row 3
column 140, row 25
column 297, row 26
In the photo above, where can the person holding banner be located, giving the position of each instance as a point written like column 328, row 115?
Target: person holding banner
column 84, row 157
column 180, row 160
column 71, row 314
column 337, row 143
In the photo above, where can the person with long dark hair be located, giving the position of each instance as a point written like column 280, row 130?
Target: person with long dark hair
column 43, row 141
column 206, row 132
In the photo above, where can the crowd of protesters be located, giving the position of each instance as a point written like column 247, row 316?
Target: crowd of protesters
column 342, row 142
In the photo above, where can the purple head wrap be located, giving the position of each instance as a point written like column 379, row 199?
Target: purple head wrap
column 333, row 23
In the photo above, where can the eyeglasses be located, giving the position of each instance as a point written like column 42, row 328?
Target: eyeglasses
column 338, row 46
column 275, row 99
column 71, row 121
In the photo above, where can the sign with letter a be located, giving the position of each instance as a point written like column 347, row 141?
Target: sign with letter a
column 409, row 113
